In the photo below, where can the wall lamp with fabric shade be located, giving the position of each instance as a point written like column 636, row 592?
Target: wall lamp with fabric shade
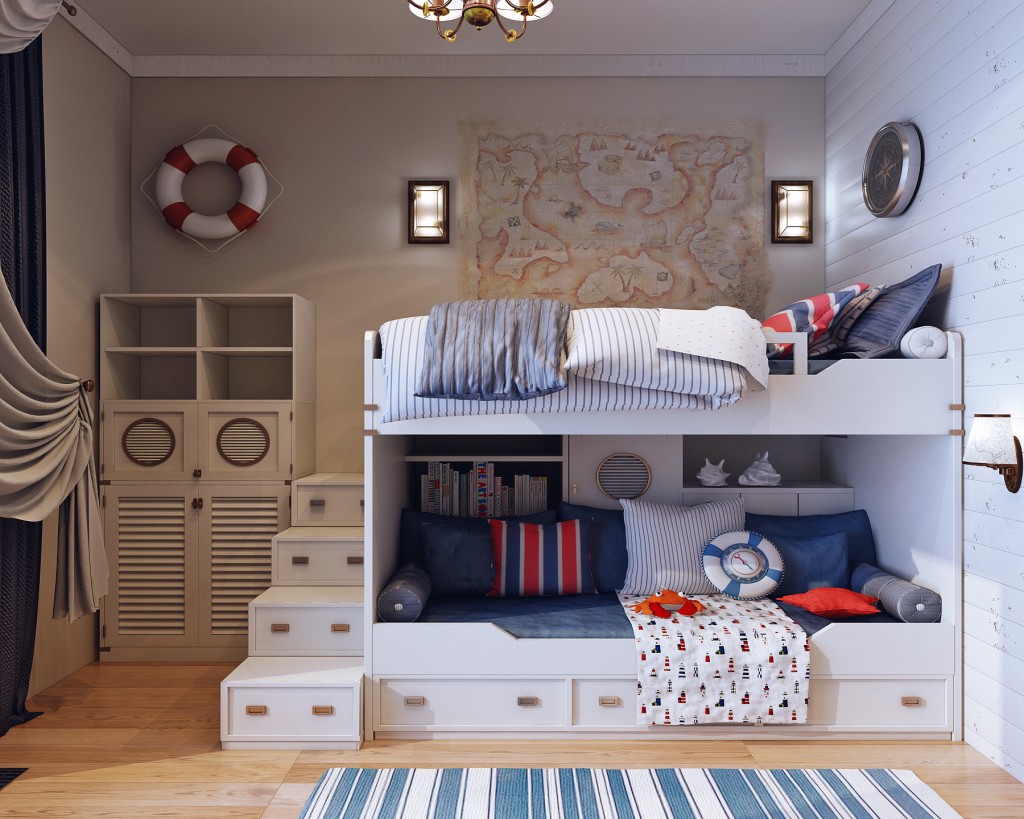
column 993, row 444
column 792, row 212
column 428, row 213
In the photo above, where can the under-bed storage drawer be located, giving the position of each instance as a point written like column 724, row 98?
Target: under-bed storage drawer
column 471, row 703
column 604, row 702
column 318, row 556
column 880, row 704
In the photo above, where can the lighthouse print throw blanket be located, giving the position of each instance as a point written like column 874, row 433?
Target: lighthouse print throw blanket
column 738, row 661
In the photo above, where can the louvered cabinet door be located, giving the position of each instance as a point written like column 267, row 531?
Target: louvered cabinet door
column 236, row 525
column 150, row 532
column 245, row 441
column 148, row 440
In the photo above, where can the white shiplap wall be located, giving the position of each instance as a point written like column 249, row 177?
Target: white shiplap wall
column 956, row 69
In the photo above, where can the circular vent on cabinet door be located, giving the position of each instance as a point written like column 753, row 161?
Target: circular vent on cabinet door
column 623, row 475
column 243, row 442
column 148, row 442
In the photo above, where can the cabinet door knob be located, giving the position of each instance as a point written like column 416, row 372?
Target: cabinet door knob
column 197, row 473
column 527, row 702
column 340, row 628
column 197, row 503
column 256, row 710
column 317, row 503
column 300, row 560
column 280, row 628
column 323, row 710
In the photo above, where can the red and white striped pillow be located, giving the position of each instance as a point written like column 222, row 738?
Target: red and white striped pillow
column 531, row 560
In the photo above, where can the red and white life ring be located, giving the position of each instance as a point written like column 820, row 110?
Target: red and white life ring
column 183, row 158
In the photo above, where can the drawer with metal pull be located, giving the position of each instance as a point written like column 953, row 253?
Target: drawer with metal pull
column 311, row 621
column 324, row 499
column 318, row 556
column 604, row 702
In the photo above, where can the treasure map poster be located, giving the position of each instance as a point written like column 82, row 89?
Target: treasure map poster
column 603, row 216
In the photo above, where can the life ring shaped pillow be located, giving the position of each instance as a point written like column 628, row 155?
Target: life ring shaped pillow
column 181, row 159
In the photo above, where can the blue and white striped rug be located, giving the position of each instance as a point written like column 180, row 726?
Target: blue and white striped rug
column 586, row 793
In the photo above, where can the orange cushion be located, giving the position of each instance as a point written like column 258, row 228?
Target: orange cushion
column 832, row 602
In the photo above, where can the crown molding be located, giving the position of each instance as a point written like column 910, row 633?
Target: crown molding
column 857, row 29
column 88, row 27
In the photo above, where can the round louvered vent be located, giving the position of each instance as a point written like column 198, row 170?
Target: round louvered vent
column 243, row 442
column 148, row 442
column 623, row 475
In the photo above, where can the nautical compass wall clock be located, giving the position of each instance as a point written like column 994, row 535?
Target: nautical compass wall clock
column 892, row 169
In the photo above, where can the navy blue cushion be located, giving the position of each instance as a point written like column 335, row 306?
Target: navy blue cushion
column 882, row 326
column 904, row 600
column 410, row 539
column 855, row 524
column 459, row 560
column 403, row 598
column 812, row 562
column 608, row 557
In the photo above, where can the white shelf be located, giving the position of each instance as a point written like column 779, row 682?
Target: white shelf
column 463, row 458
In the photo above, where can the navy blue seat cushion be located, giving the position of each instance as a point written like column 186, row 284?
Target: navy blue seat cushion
column 459, row 559
column 812, row 562
column 403, row 598
column 608, row 557
column 855, row 524
column 904, row 600
column 812, row 623
column 883, row 324
column 410, row 540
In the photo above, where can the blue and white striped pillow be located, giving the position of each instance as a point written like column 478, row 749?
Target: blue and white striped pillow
column 665, row 543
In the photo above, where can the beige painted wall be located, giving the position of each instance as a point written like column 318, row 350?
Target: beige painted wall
column 86, row 115
column 344, row 149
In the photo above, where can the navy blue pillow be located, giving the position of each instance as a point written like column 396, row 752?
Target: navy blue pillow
column 460, row 561
column 855, row 524
column 812, row 563
column 882, row 326
column 403, row 598
column 410, row 540
column 608, row 556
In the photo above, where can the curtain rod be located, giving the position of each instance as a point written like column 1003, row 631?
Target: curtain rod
column 71, row 10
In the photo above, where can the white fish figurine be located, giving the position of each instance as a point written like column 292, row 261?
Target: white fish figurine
column 712, row 474
column 760, row 473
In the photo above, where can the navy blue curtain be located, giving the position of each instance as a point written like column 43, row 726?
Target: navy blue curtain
column 23, row 261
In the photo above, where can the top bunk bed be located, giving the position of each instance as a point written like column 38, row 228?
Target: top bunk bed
column 847, row 396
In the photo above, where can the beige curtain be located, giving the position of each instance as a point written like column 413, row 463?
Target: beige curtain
column 21, row 21
column 46, row 461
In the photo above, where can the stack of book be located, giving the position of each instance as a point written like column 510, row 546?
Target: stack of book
column 478, row 492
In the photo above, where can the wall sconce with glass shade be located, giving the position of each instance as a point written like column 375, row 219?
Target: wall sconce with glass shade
column 993, row 444
column 428, row 213
column 792, row 212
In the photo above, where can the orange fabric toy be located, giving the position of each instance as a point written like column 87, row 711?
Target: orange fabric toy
column 666, row 603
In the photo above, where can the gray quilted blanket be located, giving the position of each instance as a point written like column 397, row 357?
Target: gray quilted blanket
column 491, row 349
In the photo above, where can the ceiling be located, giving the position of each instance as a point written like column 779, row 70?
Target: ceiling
column 386, row 27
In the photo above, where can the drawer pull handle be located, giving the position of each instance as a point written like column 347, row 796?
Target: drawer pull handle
column 255, row 710
column 415, row 701
column 527, row 702
column 323, row 710
column 340, row 628
column 300, row 560
column 354, row 560
column 319, row 503
column 280, row 628
column 911, row 702
column 609, row 702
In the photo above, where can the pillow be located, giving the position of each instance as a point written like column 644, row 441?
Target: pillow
column 855, row 524
column 924, row 342
column 904, row 600
column 813, row 562
column 403, row 598
column 830, row 602
column 534, row 561
column 665, row 543
column 743, row 564
column 812, row 316
column 458, row 560
column 879, row 330
column 410, row 540
column 607, row 543
column 830, row 343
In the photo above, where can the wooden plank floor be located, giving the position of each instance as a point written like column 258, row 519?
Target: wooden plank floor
column 135, row 741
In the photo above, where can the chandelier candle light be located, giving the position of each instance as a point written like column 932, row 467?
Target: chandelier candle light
column 479, row 13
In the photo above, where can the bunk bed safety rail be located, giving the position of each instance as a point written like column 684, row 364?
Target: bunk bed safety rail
column 799, row 342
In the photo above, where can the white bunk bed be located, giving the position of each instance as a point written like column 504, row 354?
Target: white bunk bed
column 887, row 431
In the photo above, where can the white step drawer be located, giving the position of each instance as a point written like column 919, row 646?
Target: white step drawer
column 471, row 703
column 294, row 699
column 305, row 630
column 328, row 500
column 881, row 704
column 318, row 556
column 604, row 702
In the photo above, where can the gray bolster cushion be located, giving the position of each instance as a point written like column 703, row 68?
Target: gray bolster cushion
column 403, row 598
column 902, row 599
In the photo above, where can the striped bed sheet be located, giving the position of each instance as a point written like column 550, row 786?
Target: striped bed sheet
column 714, row 383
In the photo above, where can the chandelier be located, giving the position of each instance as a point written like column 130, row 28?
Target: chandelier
column 479, row 13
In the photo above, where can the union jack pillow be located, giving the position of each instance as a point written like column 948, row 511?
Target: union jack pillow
column 813, row 316
column 532, row 560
